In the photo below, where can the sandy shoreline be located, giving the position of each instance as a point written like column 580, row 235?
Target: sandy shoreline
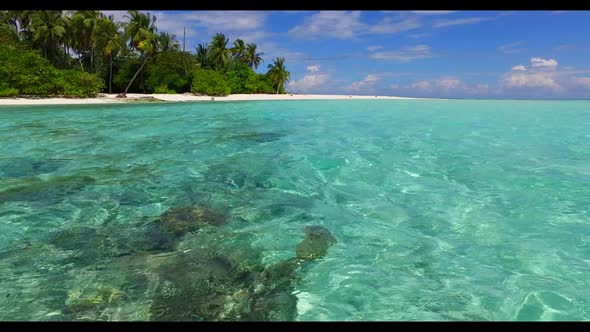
column 137, row 97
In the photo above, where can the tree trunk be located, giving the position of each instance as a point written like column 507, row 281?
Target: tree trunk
column 141, row 86
column 92, row 60
column 134, row 76
column 80, row 61
column 111, row 73
column 190, row 84
column 278, row 87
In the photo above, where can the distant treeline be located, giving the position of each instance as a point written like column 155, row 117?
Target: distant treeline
column 82, row 53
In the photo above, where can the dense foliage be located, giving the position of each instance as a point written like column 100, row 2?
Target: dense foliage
column 210, row 82
column 25, row 72
column 167, row 73
column 81, row 53
column 242, row 79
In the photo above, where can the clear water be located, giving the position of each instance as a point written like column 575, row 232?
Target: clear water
column 443, row 210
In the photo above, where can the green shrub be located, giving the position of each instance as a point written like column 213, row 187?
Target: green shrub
column 210, row 82
column 76, row 83
column 264, row 84
column 26, row 72
column 163, row 89
column 242, row 79
column 167, row 70
column 8, row 91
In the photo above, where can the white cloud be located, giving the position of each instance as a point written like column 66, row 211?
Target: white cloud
column 389, row 25
column 313, row 68
column 445, row 85
column 374, row 48
column 336, row 24
column 309, row 82
column 534, row 80
column 348, row 25
column 583, row 82
column 366, row 83
column 272, row 50
column 519, row 81
column 539, row 62
column 421, row 85
column 538, row 81
column 314, row 80
column 460, row 21
column 420, row 35
column 481, row 88
column 406, row 54
column 450, row 83
column 510, row 48
column 171, row 23
column 225, row 21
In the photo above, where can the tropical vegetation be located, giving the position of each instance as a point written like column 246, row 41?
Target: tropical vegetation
column 85, row 52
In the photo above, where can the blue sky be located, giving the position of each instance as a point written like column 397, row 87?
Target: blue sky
column 462, row 54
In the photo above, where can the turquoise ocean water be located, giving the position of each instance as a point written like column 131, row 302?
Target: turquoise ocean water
column 442, row 209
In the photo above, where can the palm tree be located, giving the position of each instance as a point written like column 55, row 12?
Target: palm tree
column 75, row 34
column 48, row 28
column 9, row 18
column 9, row 25
column 202, row 55
column 238, row 50
column 252, row 58
column 15, row 24
column 83, row 23
column 141, row 32
column 167, row 42
column 278, row 74
column 219, row 54
column 24, row 21
column 109, row 41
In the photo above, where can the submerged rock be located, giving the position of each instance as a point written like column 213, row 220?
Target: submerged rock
column 74, row 238
column 282, row 275
column 91, row 298
column 315, row 244
column 276, row 306
column 202, row 284
column 93, row 245
column 150, row 238
column 181, row 220
column 218, row 277
column 193, row 286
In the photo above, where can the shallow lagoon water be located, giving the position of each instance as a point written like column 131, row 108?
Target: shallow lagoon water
column 442, row 209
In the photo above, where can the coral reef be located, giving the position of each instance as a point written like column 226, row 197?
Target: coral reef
column 182, row 220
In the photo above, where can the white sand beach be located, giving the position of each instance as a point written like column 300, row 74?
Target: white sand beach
column 137, row 97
